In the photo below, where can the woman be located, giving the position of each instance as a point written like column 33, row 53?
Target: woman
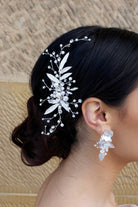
column 85, row 97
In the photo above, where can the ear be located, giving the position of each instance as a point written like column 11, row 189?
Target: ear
column 94, row 113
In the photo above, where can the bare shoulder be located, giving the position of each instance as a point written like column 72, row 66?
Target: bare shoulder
column 42, row 190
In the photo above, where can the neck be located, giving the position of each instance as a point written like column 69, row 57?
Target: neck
column 89, row 176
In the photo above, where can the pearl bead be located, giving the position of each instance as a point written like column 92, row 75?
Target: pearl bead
column 60, row 111
column 65, row 98
column 51, row 130
column 71, row 41
column 80, row 100
column 61, row 124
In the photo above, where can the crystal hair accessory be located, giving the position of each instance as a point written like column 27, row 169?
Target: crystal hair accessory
column 61, row 86
column 104, row 143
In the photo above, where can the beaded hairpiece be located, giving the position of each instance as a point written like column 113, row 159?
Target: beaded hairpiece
column 61, row 82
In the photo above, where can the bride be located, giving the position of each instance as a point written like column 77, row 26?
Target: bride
column 84, row 109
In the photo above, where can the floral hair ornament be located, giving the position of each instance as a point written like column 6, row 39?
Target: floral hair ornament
column 61, row 86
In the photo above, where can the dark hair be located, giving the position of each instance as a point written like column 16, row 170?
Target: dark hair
column 105, row 67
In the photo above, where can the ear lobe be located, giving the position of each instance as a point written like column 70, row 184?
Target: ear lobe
column 93, row 114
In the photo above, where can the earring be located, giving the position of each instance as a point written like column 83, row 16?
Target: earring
column 104, row 143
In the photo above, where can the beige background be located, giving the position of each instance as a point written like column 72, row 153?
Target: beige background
column 26, row 28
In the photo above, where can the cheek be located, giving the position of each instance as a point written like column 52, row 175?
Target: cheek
column 126, row 134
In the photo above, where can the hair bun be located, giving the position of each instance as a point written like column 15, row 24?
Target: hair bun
column 36, row 148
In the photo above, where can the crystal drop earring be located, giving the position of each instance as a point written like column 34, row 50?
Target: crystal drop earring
column 104, row 143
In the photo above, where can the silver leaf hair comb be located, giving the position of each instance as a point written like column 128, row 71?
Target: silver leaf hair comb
column 61, row 87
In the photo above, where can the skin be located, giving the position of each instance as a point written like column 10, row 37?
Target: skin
column 82, row 180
